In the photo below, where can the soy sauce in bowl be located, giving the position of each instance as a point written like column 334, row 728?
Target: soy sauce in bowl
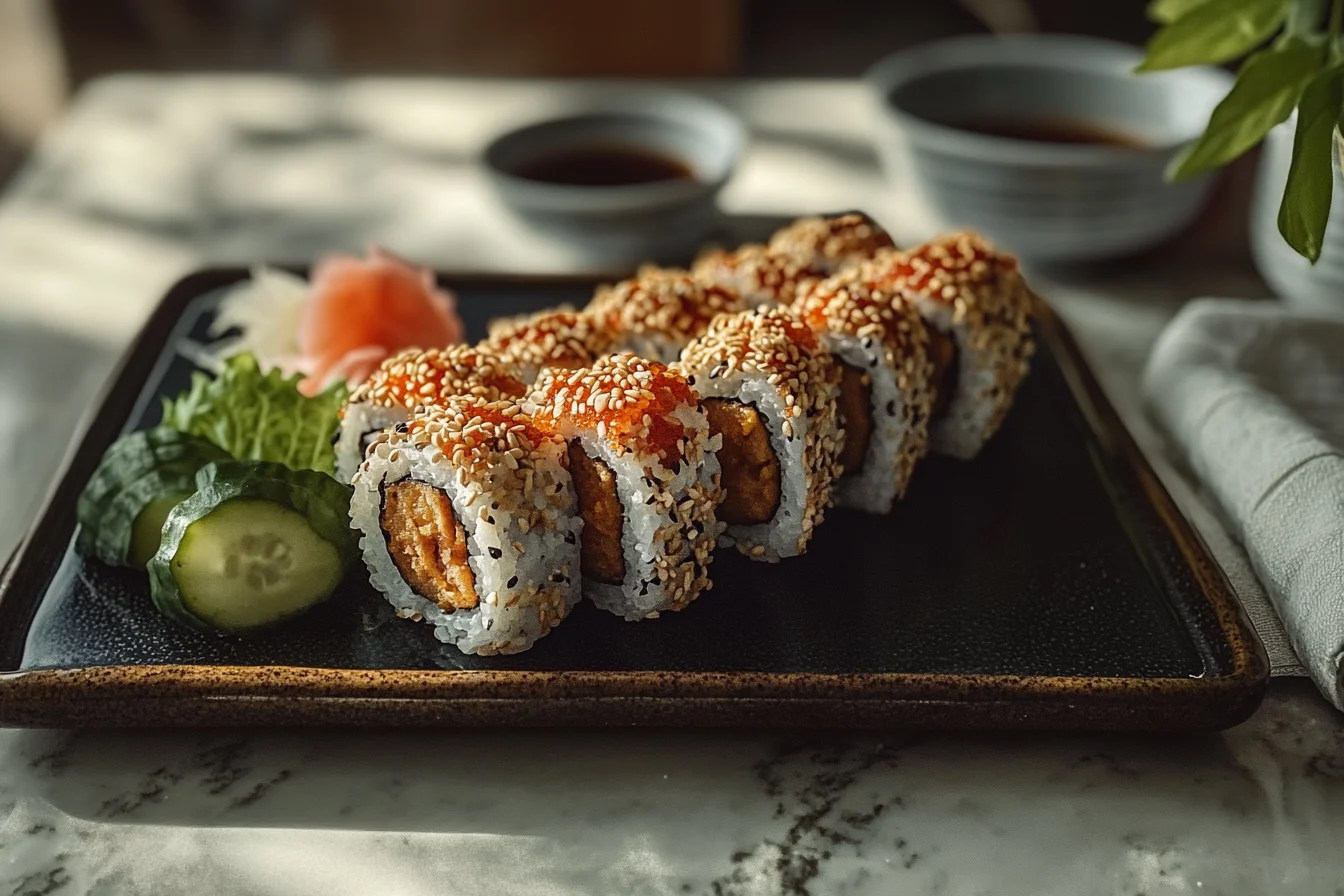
column 1068, row 131
column 603, row 165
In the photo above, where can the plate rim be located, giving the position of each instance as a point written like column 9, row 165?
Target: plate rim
column 188, row 694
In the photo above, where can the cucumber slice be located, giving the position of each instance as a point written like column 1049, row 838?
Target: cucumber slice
column 137, row 470
column 251, row 563
column 147, row 530
column 257, row 543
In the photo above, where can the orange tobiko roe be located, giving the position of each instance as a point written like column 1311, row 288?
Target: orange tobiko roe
column 359, row 311
column 619, row 392
column 943, row 266
column 491, row 419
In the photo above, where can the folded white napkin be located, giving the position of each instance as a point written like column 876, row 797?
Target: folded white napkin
column 1252, row 393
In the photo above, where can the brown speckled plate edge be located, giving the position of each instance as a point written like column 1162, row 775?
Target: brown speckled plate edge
column 124, row 696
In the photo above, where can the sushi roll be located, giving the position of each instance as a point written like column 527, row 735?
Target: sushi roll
column 831, row 242
column 647, row 480
column 657, row 312
column 467, row 521
column 886, row 386
column 978, row 311
column 769, row 389
column 558, row 338
column 411, row 379
column 759, row 276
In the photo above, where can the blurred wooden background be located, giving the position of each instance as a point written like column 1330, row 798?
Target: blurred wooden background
column 50, row 47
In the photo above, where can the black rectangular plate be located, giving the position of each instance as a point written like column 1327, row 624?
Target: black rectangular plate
column 1050, row 583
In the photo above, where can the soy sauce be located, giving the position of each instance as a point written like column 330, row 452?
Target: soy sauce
column 599, row 165
column 1049, row 130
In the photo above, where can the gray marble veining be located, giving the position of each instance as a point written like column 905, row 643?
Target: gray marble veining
column 1255, row 810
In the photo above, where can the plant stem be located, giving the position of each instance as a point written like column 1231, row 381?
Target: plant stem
column 1336, row 12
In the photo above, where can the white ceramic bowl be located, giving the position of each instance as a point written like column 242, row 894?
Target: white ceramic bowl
column 1048, row 202
column 616, row 224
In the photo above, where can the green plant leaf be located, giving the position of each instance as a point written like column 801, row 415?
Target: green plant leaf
column 1268, row 87
column 1168, row 11
column 1214, row 33
column 1311, row 179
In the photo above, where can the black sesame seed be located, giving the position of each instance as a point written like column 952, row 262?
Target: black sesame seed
column 495, row 553
column 651, row 499
column 891, row 408
column 490, row 520
column 557, row 577
column 569, row 538
column 513, row 580
column 644, row 588
column 403, row 428
column 690, row 380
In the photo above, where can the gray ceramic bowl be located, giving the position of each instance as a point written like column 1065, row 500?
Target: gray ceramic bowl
column 621, row 224
column 1046, row 201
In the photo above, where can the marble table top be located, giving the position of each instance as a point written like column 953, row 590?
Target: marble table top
column 148, row 178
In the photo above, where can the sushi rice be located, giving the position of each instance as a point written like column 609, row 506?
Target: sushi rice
column 965, row 288
column 873, row 331
column 517, row 509
column 768, row 360
column 412, row 379
column 642, row 421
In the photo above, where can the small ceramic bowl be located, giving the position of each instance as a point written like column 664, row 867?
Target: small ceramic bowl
column 1047, row 201
column 624, row 223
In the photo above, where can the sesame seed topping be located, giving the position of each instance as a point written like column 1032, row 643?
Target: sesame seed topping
column 644, row 420
column 561, row 338
column 829, row 243
column 417, row 377
column 662, row 302
column 760, row 276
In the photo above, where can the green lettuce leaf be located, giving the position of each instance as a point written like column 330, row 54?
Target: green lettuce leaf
column 260, row 416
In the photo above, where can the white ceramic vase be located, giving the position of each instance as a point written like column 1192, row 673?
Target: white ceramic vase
column 1318, row 287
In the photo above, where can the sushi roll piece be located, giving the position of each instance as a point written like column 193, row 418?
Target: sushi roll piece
column 657, row 312
column 770, row 389
column 501, row 326
column 412, row 379
column 468, row 522
column 647, row 480
column 886, row 386
column 557, row 338
column 831, row 242
column 978, row 311
column 759, row 276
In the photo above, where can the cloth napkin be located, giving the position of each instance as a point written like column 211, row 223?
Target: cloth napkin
column 1252, row 394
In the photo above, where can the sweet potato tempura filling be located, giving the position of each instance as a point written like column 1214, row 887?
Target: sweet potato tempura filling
column 428, row 544
column 750, row 468
column 856, row 417
column 600, row 554
column 946, row 370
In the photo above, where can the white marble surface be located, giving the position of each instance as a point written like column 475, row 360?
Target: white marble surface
column 149, row 178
